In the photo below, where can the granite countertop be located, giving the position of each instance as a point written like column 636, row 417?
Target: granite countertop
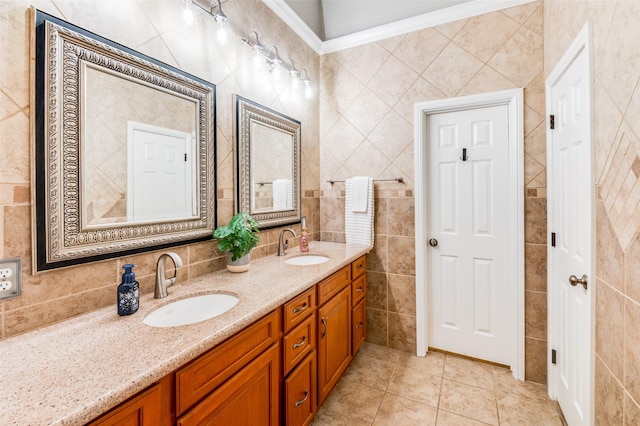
column 71, row 372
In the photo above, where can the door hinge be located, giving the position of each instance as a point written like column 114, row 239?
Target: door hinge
column 553, row 356
column 185, row 156
column 553, row 239
column 552, row 122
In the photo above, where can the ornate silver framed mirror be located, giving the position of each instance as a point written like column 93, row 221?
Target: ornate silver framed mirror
column 124, row 149
column 268, row 164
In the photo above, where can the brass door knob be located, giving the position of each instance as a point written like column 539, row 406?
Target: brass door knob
column 574, row 281
column 433, row 242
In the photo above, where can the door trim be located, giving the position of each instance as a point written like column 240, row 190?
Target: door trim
column 515, row 101
column 582, row 43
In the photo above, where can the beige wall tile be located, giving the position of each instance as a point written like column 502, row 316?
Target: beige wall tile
column 609, row 312
column 631, row 411
column 524, row 68
column 418, row 49
column 535, row 227
column 535, row 267
column 377, row 326
column 610, row 257
column 452, row 69
column 495, row 28
column 535, row 360
column 402, row 257
column 631, row 344
column 402, row 294
column 535, row 314
column 402, row 332
column 392, row 80
column 608, row 397
column 377, row 290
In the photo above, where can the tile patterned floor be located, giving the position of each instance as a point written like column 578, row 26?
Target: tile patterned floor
column 384, row 386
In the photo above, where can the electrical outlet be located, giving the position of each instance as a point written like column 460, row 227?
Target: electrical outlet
column 10, row 278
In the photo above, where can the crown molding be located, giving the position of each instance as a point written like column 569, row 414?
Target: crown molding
column 415, row 23
column 280, row 8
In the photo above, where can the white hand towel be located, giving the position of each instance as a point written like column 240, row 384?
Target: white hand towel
column 359, row 193
column 359, row 225
column 281, row 197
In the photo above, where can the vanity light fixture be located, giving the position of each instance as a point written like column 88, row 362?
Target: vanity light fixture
column 218, row 16
column 275, row 63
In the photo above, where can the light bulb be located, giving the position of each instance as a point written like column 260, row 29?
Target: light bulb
column 222, row 35
column 308, row 91
column 187, row 13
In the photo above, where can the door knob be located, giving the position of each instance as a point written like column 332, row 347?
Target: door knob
column 433, row 242
column 574, row 281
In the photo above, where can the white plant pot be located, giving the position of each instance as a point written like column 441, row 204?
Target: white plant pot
column 239, row 265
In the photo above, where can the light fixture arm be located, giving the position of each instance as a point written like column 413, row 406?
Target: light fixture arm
column 273, row 59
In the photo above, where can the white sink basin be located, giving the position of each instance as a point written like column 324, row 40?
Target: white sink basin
column 193, row 309
column 307, row 260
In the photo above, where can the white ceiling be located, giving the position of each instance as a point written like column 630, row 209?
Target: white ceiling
column 331, row 19
column 331, row 25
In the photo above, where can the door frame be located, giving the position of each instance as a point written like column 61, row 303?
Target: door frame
column 582, row 43
column 514, row 99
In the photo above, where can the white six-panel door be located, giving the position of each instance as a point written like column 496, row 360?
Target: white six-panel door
column 468, row 216
column 159, row 183
column 570, row 223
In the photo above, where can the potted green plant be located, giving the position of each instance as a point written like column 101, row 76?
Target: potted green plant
column 237, row 239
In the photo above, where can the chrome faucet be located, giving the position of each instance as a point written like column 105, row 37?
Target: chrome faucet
column 162, row 282
column 282, row 243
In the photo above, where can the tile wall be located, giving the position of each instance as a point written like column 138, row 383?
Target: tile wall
column 366, row 128
column 155, row 28
column 616, row 59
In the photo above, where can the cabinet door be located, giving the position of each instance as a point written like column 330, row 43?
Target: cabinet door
column 142, row 410
column 334, row 341
column 250, row 397
column 359, row 321
column 300, row 393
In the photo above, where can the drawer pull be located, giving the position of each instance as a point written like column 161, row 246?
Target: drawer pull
column 303, row 400
column 359, row 290
column 301, row 343
column 359, row 326
column 359, row 267
column 299, row 309
column 324, row 324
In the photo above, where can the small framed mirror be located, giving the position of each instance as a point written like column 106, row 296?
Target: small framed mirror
column 124, row 149
column 268, row 164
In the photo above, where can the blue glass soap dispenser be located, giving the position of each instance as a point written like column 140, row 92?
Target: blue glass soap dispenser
column 128, row 292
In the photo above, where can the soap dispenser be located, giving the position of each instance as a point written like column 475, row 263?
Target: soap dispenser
column 128, row 292
column 304, row 237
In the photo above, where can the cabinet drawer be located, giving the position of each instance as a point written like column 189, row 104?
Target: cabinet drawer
column 300, row 393
column 331, row 286
column 299, row 308
column 298, row 343
column 250, row 397
column 358, row 267
column 359, row 330
column 358, row 289
column 209, row 371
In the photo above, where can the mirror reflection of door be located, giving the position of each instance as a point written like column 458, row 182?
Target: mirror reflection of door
column 160, row 175
column 271, row 168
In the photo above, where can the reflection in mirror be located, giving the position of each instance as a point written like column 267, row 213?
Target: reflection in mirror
column 137, row 145
column 271, row 169
column 124, row 158
column 268, row 164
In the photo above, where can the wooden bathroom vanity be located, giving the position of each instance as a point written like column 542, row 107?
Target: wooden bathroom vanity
column 276, row 371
